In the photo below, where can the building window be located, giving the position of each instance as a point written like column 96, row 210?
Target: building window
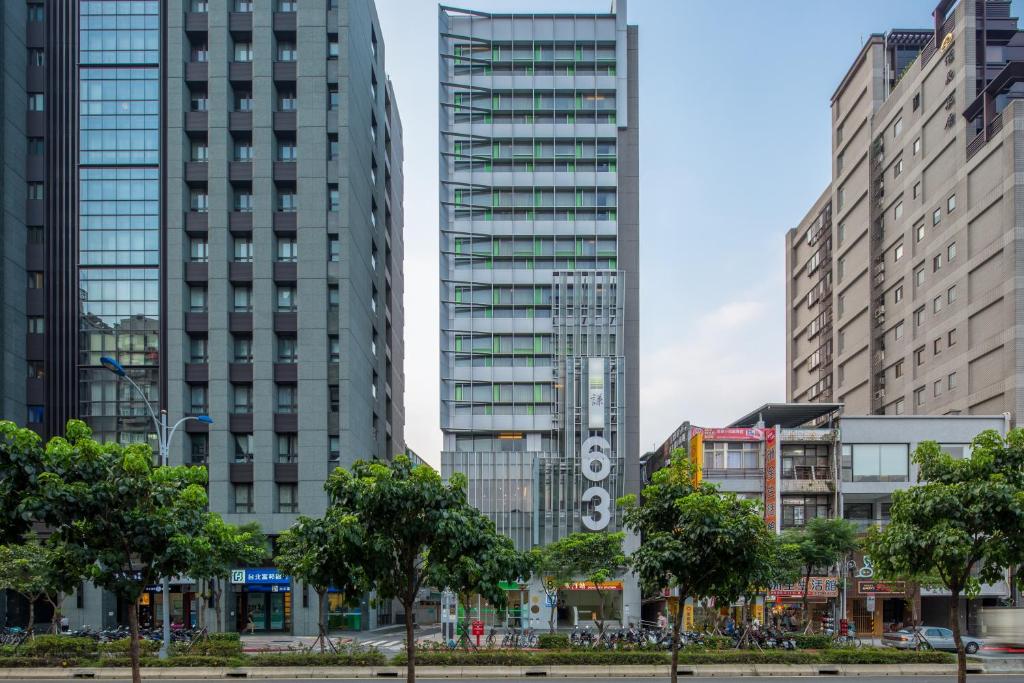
column 35, row 234
column 36, row 14
column 243, row 150
column 332, row 97
column 936, row 216
column 897, row 294
column 951, row 203
column 332, row 147
column 242, row 493
column 199, row 201
column 201, row 6
column 241, row 399
column 287, row 249
column 334, row 348
column 951, row 381
column 333, row 298
column 287, row 498
column 198, row 250
column 898, row 407
column 951, row 251
column 286, row 201
column 916, row 101
column 897, row 253
column 333, row 449
column 937, row 388
column 243, row 100
column 197, row 299
column 34, row 279
column 917, row 189
column 951, row 294
column 951, row 337
column 937, row 346
column 36, row 147
column 243, row 52
column 243, row 448
column 841, row 342
column 287, row 101
column 36, row 56
column 897, row 168
column 36, row 414
column 287, row 151
column 199, row 446
column 936, row 304
column 200, row 53
column 36, row 324
column 897, row 128
column 199, row 101
column 333, row 198
column 242, row 299
column 919, row 232
column 796, row 510
column 840, row 268
column 198, row 350
column 243, row 250
column 897, row 211
column 287, row 448
column 919, row 356
column 839, row 163
column 840, row 305
column 36, row 101
column 200, row 151
column 897, row 332
column 286, row 302
column 734, row 455
column 876, row 462
column 243, row 201
column 841, row 232
column 242, row 349
column 333, row 249
column 286, row 51
column 936, row 262
column 918, row 316
column 919, row 277
column 36, row 369
column 841, row 199
column 287, row 5
column 917, row 145
column 36, row 191
column 287, row 350
column 332, row 47
column 287, row 401
column 334, row 398
column 197, row 399
column 839, row 134
column 898, row 369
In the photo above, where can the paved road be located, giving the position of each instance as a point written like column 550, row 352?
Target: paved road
column 989, row 678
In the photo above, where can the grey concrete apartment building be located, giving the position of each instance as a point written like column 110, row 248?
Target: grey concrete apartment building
column 209, row 191
column 901, row 291
column 539, row 224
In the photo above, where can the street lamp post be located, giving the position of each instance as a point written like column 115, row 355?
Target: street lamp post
column 164, row 435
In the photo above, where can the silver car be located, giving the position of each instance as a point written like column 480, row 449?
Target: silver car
column 929, row 638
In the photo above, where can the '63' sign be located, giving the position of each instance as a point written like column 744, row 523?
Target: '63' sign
column 596, row 468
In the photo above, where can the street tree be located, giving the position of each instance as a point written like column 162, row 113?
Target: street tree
column 131, row 522
column 821, row 543
column 21, row 461
column 964, row 523
column 22, row 571
column 215, row 551
column 596, row 558
column 404, row 519
column 316, row 552
column 696, row 539
column 490, row 560
column 555, row 569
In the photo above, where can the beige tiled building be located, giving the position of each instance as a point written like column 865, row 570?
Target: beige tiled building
column 904, row 279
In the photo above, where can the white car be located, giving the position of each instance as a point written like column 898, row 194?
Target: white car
column 929, row 638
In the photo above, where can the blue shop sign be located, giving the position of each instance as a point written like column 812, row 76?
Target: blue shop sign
column 259, row 577
column 269, row 588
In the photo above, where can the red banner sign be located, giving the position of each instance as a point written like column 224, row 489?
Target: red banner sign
column 881, row 587
column 732, row 433
column 771, row 514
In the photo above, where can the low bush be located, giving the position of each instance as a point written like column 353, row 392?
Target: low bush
column 346, row 657
column 718, row 643
column 230, row 636
column 122, row 646
column 212, row 647
column 57, row 647
column 552, row 641
column 810, row 641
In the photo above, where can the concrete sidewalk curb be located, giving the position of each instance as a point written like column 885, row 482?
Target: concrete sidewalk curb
column 599, row 671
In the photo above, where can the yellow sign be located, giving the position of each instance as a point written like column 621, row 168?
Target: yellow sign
column 591, row 586
column 697, row 456
column 688, row 616
column 673, row 605
column 759, row 613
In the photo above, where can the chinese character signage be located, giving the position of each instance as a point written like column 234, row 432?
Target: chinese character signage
column 820, row 587
column 732, row 433
column 771, row 481
column 590, row 586
column 881, row 588
column 595, row 393
column 264, row 577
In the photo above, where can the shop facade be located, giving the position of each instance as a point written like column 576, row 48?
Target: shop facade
column 261, row 600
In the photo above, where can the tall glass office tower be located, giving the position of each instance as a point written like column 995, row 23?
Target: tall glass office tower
column 539, row 267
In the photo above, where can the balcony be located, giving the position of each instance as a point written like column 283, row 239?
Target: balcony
column 733, row 473
column 239, row 322
column 286, row 322
column 285, row 122
column 196, row 22
column 240, row 423
column 240, row 271
column 240, row 222
column 240, row 372
column 240, row 472
column 286, row 373
column 197, row 322
column 286, row 472
column 286, row 272
column 240, row 171
column 286, row 423
column 196, row 272
column 240, row 72
column 197, row 122
column 197, row 372
column 285, row 171
column 809, row 479
column 285, row 72
column 240, row 121
column 285, row 222
column 285, row 22
column 196, row 72
column 240, row 23
column 196, row 171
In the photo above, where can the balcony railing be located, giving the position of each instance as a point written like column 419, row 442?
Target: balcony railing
column 810, row 473
column 733, row 473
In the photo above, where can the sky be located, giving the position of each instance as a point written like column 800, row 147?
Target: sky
column 734, row 150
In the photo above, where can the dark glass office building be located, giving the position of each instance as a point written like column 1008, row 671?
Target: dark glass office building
column 207, row 191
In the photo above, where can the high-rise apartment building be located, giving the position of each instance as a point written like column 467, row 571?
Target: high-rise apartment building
column 902, row 287
column 539, row 266
column 209, row 191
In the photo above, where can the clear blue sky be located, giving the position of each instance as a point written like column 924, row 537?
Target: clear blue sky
column 734, row 149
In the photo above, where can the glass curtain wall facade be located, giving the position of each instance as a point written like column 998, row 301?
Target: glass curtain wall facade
column 119, row 212
column 538, row 266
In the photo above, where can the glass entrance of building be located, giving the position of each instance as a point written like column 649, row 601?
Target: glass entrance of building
column 264, row 612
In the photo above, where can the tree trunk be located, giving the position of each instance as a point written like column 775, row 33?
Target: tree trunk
column 961, row 655
column 410, row 642
column 216, row 604
column 57, row 613
column 133, row 650
column 321, row 598
column 554, row 611
column 31, row 616
column 677, row 627
column 600, row 613
column 807, row 585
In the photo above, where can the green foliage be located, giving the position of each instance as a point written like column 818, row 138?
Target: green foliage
column 811, row 641
column 21, row 461
column 122, row 646
column 212, row 647
column 345, row 657
column 595, row 557
column 220, row 546
column 57, row 646
column 552, row 641
column 822, row 541
column 964, row 524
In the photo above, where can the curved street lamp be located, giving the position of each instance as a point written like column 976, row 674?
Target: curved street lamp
column 164, row 435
